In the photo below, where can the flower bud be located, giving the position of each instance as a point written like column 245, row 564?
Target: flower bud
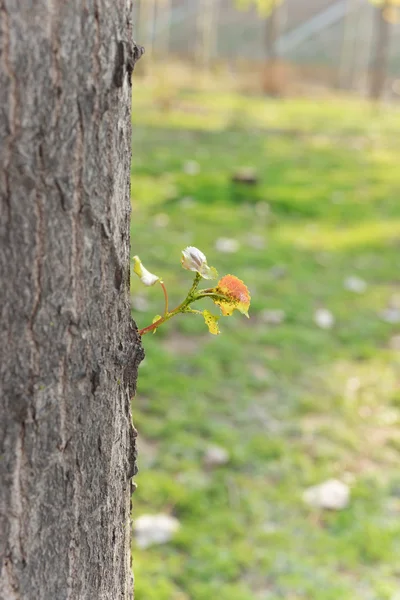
column 194, row 260
column 146, row 277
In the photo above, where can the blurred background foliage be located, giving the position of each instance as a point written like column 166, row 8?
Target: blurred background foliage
column 296, row 191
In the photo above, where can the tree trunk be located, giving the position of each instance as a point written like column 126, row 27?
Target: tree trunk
column 206, row 37
column 147, row 18
column 346, row 67
column 69, row 350
column 163, row 27
column 272, row 32
column 272, row 82
column 380, row 52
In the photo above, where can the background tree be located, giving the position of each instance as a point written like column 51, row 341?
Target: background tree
column 380, row 48
column 146, row 25
column 346, row 66
column 164, row 25
column 206, row 31
column 270, row 10
column 69, row 350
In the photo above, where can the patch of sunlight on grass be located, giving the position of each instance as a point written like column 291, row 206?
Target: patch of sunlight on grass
column 292, row 404
column 325, row 237
column 205, row 110
column 152, row 191
column 178, row 119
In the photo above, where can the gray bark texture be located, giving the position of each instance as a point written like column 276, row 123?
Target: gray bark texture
column 69, row 350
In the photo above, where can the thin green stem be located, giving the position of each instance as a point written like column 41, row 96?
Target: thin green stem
column 152, row 326
column 192, row 296
column 166, row 298
column 196, row 282
column 209, row 294
column 193, row 312
column 166, row 317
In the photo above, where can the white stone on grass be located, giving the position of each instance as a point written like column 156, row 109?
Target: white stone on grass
column 215, row 456
column 273, row 317
column 355, row 284
column 227, row 245
column 263, row 209
column 256, row 241
column 161, row 220
column 191, row 167
column 187, row 202
column 391, row 315
column 332, row 495
column 395, row 342
column 324, row 318
column 151, row 530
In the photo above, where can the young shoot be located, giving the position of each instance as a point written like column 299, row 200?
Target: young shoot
column 229, row 294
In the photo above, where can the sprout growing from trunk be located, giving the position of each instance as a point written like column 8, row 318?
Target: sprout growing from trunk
column 229, row 294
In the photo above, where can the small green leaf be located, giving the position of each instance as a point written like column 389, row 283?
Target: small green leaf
column 211, row 322
column 156, row 318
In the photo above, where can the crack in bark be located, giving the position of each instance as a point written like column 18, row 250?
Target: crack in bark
column 22, row 454
column 9, row 580
column 62, row 398
column 76, row 251
column 97, row 66
column 119, row 66
column 15, row 542
column 73, row 549
column 96, row 52
column 13, row 102
column 55, row 59
column 76, row 211
column 37, row 272
column 63, row 199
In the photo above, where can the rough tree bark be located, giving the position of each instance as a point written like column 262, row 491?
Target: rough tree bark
column 69, row 350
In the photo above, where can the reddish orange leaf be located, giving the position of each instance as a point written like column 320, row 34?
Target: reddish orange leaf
column 236, row 296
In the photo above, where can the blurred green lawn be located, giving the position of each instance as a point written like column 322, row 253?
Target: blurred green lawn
column 293, row 404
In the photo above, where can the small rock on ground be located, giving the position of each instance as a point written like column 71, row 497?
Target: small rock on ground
column 227, row 245
column 273, row 317
column 215, row 456
column 324, row 318
column 395, row 342
column 256, row 241
column 187, row 202
column 161, row 220
column 332, row 495
column 246, row 175
column 191, row 167
column 355, row 284
column 391, row 315
column 151, row 530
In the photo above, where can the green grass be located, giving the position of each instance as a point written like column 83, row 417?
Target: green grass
column 293, row 404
